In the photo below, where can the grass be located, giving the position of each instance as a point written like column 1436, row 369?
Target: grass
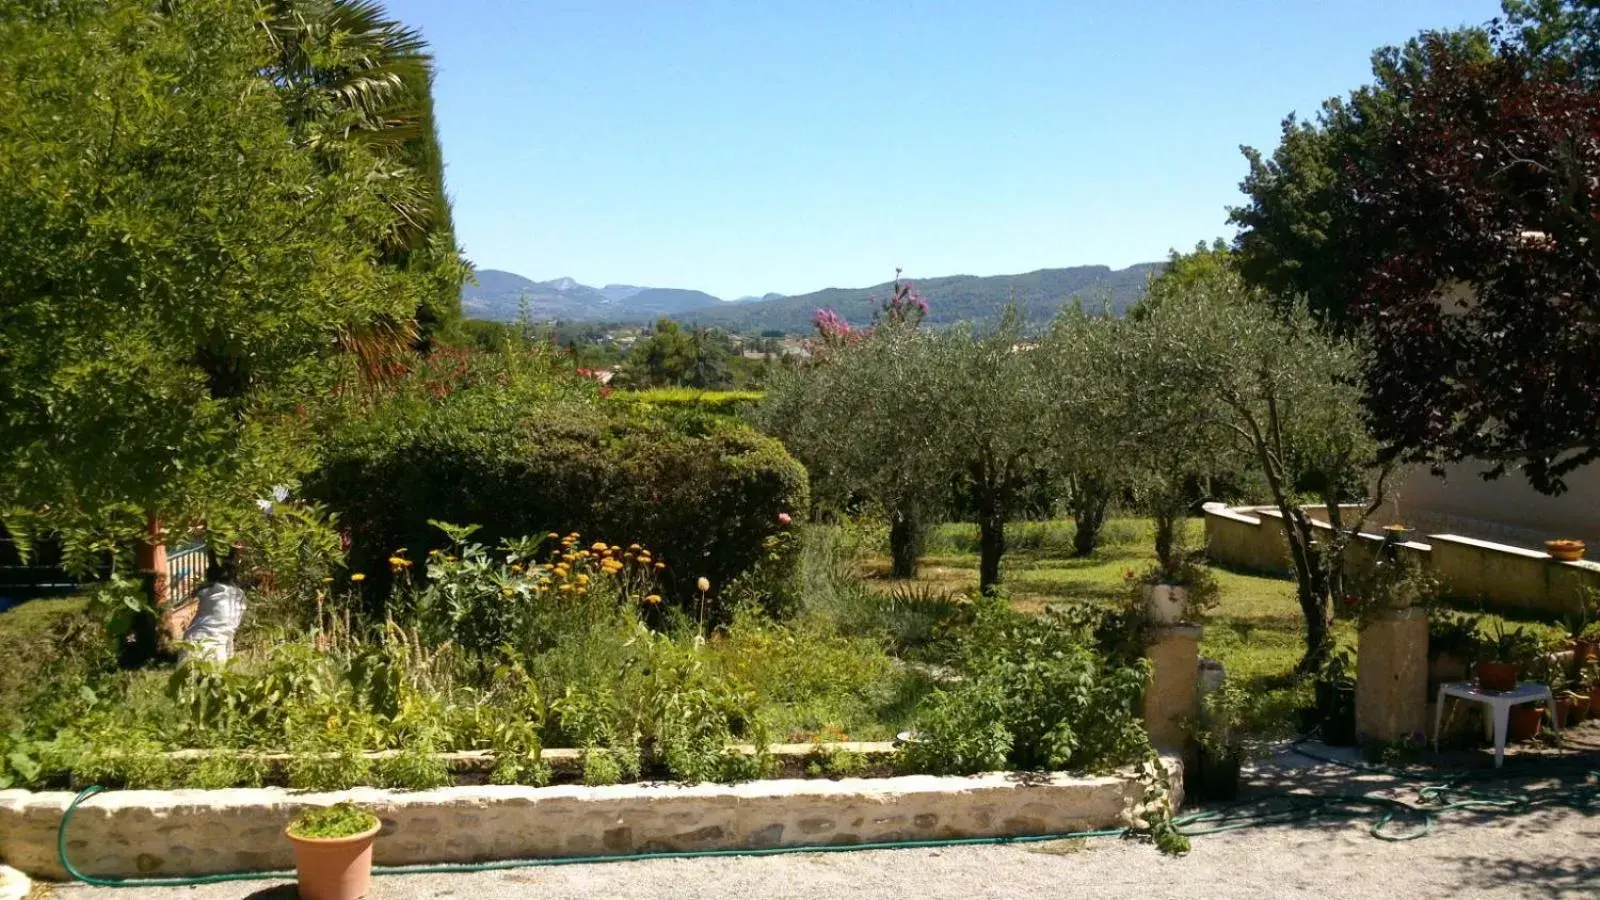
column 27, row 647
column 1256, row 631
column 33, row 620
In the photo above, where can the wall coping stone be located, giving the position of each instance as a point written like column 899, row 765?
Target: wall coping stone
column 191, row 832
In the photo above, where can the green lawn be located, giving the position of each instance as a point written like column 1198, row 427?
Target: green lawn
column 1255, row 631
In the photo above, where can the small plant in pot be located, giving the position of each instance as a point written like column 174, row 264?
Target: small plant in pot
column 1389, row 584
column 1500, row 655
column 333, row 851
column 1589, row 678
column 1218, row 738
column 1452, row 644
column 1335, row 691
column 1180, row 590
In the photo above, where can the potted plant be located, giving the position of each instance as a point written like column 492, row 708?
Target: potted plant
column 1565, row 550
column 1335, row 689
column 333, row 851
column 1452, row 642
column 1179, row 591
column 1590, row 679
column 1586, row 646
column 1389, row 584
column 1396, row 534
column 1500, row 655
column 1218, row 739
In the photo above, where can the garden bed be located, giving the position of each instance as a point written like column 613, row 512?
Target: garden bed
column 188, row 832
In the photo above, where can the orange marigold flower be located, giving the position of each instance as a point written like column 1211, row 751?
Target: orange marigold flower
column 358, row 577
column 653, row 599
column 658, row 565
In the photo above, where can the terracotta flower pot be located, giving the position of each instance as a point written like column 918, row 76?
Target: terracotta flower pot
column 1496, row 676
column 1524, row 723
column 1563, row 711
column 1584, row 650
column 1594, row 701
column 1566, row 551
column 334, row 868
column 1445, row 667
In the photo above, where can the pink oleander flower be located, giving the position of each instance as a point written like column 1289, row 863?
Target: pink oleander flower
column 783, row 518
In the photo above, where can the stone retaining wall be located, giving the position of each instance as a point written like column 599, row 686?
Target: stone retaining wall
column 192, row 832
column 1497, row 575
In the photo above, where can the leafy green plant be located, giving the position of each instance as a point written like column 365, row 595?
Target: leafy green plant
column 1038, row 694
column 224, row 769
column 1452, row 633
column 123, row 755
column 1514, row 645
column 1389, row 584
column 19, row 761
column 417, row 767
column 341, row 820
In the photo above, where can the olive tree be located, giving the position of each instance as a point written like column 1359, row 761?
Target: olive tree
column 858, row 416
column 994, row 397
column 1262, row 377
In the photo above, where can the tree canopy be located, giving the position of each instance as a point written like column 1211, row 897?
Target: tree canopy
column 178, row 261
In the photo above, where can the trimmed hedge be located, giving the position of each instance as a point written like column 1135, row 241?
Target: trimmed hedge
column 704, row 499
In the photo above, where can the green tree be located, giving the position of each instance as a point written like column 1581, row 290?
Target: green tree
column 1262, row 378
column 347, row 71
column 1298, row 234
column 1127, row 424
column 673, row 357
column 176, row 263
column 1559, row 34
column 994, row 397
column 858, row 417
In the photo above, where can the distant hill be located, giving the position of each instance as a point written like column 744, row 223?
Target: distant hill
column 501, row 296
column 668, row 302
column 952, row 298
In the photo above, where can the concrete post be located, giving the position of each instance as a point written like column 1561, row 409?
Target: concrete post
column 1172, row 696
column 1392, row 675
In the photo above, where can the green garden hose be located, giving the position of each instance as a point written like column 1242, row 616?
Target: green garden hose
column 1279, row 809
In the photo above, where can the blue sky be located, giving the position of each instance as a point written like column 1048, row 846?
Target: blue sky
column 767, row 145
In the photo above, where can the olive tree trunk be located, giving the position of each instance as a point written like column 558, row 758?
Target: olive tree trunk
column 907, row 534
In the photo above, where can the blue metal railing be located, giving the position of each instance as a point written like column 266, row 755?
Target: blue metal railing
column 186, row 570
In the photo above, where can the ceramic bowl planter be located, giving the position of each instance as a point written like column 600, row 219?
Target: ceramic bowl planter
column 1565, row 551
column 1496, row 676
column 337, row 867
column 1165, row 604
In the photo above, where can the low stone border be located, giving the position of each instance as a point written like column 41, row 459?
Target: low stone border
column 192, row 832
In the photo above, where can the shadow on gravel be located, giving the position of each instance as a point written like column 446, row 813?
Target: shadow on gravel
column 1555, row 877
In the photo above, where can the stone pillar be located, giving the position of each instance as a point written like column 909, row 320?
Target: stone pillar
column 1172, row 696
column 1392, row 676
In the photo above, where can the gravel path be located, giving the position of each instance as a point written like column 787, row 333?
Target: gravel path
column 1552, row 853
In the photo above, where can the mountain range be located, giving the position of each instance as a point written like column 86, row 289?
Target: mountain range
column 1039, row 295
